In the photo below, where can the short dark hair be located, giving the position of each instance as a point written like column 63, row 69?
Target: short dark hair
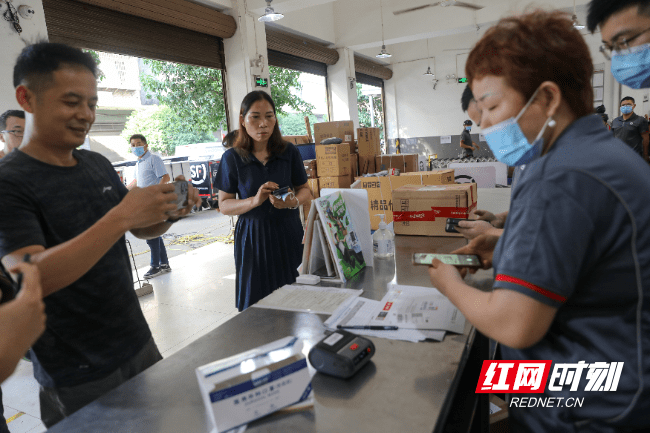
column 601, row 10
column 10, row 113
column 37, row 62
column 244, row 143
column 466, row 98
column 229, row 139
column 600, row 109
column 468, row 122
column 138, row 137
column 512, row 49
column 628, row 98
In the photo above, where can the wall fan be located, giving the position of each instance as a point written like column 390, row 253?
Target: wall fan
column 444, row 3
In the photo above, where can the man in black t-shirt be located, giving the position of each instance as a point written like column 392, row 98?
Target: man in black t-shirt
column 631, row 128
column 69, row 210
column 466, row 140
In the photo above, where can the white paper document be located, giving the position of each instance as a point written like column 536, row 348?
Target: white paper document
column 418, row 308
column 360, row 312
column 311, row 299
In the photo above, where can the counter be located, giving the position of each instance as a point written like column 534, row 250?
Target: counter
column 407, row 387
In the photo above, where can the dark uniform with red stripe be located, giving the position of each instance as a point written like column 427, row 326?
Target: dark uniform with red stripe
column 577, row 238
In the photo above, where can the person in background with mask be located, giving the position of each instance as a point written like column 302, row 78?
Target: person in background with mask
column 12, row 128
column 631, row 128
column 150, row 170
column 572, row 267
column 466, row 140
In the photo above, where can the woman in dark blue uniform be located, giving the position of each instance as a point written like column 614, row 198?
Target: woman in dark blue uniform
column 268, row 235
column 572, row 267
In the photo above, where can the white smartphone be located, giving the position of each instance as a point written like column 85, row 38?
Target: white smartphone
column 467, row 260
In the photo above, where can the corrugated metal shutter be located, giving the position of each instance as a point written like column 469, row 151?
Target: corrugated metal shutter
column 178, row 13
column 368, row 80
column 87, row 26
column 288, row 61
column 373, row 69
column 277, row 40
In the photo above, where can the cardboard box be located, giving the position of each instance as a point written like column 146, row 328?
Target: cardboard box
column 405, row 162
column 368, row 141
column 354, row 167
column 366, row 165
column 310, row 168
column 342, row 129
column 436, row 177
column 380, row 191
column 353, row 148
column 314, row 187
column 423, row 209
column 333, row 159
column 334, row 182
column 248, row 386
column 296, row 139
column 306, row 207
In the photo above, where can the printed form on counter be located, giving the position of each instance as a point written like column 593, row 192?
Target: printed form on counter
column 360, row 312
column 414, row 307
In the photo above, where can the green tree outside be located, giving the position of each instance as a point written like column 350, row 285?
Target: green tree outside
column 195, row 96
column 363, row 102
column 294, row 123
column 164, row 129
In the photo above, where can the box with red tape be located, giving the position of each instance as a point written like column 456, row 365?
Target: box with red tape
column 423, row 210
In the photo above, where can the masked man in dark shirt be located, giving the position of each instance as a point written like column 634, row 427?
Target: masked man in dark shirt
column 631, row 128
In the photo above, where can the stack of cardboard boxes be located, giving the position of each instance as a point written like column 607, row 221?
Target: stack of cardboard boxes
column 381, row 189
column 369, row 147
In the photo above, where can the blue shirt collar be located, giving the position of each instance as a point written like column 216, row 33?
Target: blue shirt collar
column 591, row 124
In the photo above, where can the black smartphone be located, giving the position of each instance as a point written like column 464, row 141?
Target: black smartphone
column 466, row 260
column 450, row 227
column 278, row 193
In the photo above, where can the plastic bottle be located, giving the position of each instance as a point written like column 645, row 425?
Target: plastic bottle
column 383, row 241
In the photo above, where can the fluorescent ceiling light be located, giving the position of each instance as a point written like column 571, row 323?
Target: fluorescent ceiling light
column 576, row 23
column 270, row 14
column 383, row 54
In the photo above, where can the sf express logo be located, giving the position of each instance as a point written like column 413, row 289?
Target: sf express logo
column 531, row 376
column 417, row 216
column 199, row 173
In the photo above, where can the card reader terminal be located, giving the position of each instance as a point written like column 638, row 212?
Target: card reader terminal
column 341, row 354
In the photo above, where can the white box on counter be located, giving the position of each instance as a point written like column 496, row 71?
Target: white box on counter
column 253, row 384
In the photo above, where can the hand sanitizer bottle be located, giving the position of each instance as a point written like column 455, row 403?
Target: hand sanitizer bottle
column 383, row 241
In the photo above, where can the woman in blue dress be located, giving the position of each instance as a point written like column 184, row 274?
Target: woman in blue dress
column 268, row 235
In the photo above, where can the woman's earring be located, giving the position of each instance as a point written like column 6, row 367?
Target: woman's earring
column 552, row 124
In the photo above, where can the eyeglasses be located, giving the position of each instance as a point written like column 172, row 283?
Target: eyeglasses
column 16, row 133
column 624, row 45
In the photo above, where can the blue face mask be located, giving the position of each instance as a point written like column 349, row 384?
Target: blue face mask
column 626, row 109
column 632, row 67
column 508, row 142
column 469, row 128
column 138, row 151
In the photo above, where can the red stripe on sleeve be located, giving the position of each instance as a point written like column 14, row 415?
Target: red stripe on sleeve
column 526, row 284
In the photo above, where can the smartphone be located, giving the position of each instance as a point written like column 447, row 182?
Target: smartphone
column 278, row 193
column 181, row 188
column 466, row 260
column 450, row 227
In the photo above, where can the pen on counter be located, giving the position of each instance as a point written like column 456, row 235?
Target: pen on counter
column 370, row 328
column 19, row 279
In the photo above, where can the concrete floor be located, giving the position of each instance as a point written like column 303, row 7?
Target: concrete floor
column 196, row 297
